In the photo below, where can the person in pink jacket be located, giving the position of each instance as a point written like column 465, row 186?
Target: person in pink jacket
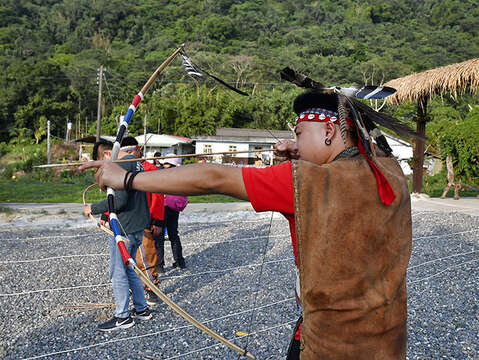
column 173, row 206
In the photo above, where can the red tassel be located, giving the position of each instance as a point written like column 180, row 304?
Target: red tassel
column 386, row 192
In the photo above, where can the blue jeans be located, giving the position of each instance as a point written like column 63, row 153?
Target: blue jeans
column 124, row 277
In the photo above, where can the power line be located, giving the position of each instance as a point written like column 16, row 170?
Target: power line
column 108, row 89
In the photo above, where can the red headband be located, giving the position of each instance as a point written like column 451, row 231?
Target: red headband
column 386, row 192
column 320, row 115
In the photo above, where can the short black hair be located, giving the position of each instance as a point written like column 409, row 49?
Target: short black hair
column 99, row 147
column 129, row 141
column 315, row 99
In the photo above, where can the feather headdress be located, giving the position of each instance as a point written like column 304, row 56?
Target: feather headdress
column 351, row 95
column 353, row 113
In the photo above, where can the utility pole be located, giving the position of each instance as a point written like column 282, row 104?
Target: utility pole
column 48, row 143
column 98, row 115
column 69, row 129
column 144, row 133
column 78, row 131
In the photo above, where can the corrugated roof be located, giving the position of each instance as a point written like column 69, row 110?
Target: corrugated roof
column 91, row 139
column 161, row 140
column 282, row 134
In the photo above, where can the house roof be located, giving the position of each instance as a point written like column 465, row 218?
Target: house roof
column 162, row 140
column 455, row 79
column 396, row 140
column 91, row 139
column 246, row 135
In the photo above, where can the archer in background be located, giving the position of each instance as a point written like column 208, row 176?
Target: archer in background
column 134, row 215
column 98, row 148
column 349, row 210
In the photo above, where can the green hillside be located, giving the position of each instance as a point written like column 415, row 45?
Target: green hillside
column 50, row 52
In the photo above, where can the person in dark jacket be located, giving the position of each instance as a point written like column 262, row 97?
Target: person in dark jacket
column 134, row 216
column 147, row 257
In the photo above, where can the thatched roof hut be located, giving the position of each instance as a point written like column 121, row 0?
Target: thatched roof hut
column 453, row 79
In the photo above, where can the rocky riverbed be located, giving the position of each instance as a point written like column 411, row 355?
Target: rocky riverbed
column 54, row 288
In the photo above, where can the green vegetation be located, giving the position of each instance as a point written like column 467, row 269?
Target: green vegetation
column 27, row 189
column 7, row 211
column 434, row 186
column 458, row 138
column 50, row 52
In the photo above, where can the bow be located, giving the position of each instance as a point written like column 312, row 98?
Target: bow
column 98, row 225
column 115, row 225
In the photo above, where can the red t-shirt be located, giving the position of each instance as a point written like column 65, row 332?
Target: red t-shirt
column 155, row 201
column 271, row 189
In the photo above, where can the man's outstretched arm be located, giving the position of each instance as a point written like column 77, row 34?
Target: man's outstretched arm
column 195, row 179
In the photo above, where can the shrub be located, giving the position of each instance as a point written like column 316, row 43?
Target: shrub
column 3, row 148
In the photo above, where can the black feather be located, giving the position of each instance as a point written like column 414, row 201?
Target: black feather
column 366, row 112
column 374, row 92
column 385, row 120
column 194, row 70
column 299, row 79
column 383, row 144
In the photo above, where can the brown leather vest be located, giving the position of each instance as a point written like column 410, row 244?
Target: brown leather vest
column 353, row 253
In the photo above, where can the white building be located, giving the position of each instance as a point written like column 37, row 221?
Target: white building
column 402, row 150
column 231, row 139
column 164, row 144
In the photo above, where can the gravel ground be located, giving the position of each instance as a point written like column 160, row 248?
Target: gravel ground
column 231, row 283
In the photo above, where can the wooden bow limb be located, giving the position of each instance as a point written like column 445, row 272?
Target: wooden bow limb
column 97, row 223
column 175, row 307
column 157, row 72
column 78, row 163
column 115, row 224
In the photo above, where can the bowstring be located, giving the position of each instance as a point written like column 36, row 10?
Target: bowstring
column 258, row 283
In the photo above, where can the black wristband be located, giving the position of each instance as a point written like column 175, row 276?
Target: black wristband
column 125, row 179
column 129, row 183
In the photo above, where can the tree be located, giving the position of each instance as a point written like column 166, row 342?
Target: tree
column 459, row 138
column 35, row 92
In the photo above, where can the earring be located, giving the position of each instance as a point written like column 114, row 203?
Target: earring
column 327, row 141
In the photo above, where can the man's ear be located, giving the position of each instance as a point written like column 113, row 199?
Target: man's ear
column 106, row 153
column 330, row 130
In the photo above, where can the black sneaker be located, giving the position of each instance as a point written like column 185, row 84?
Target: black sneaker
column 143, row 315
column 151, row 298
column 179, row 264
column 116, row 323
